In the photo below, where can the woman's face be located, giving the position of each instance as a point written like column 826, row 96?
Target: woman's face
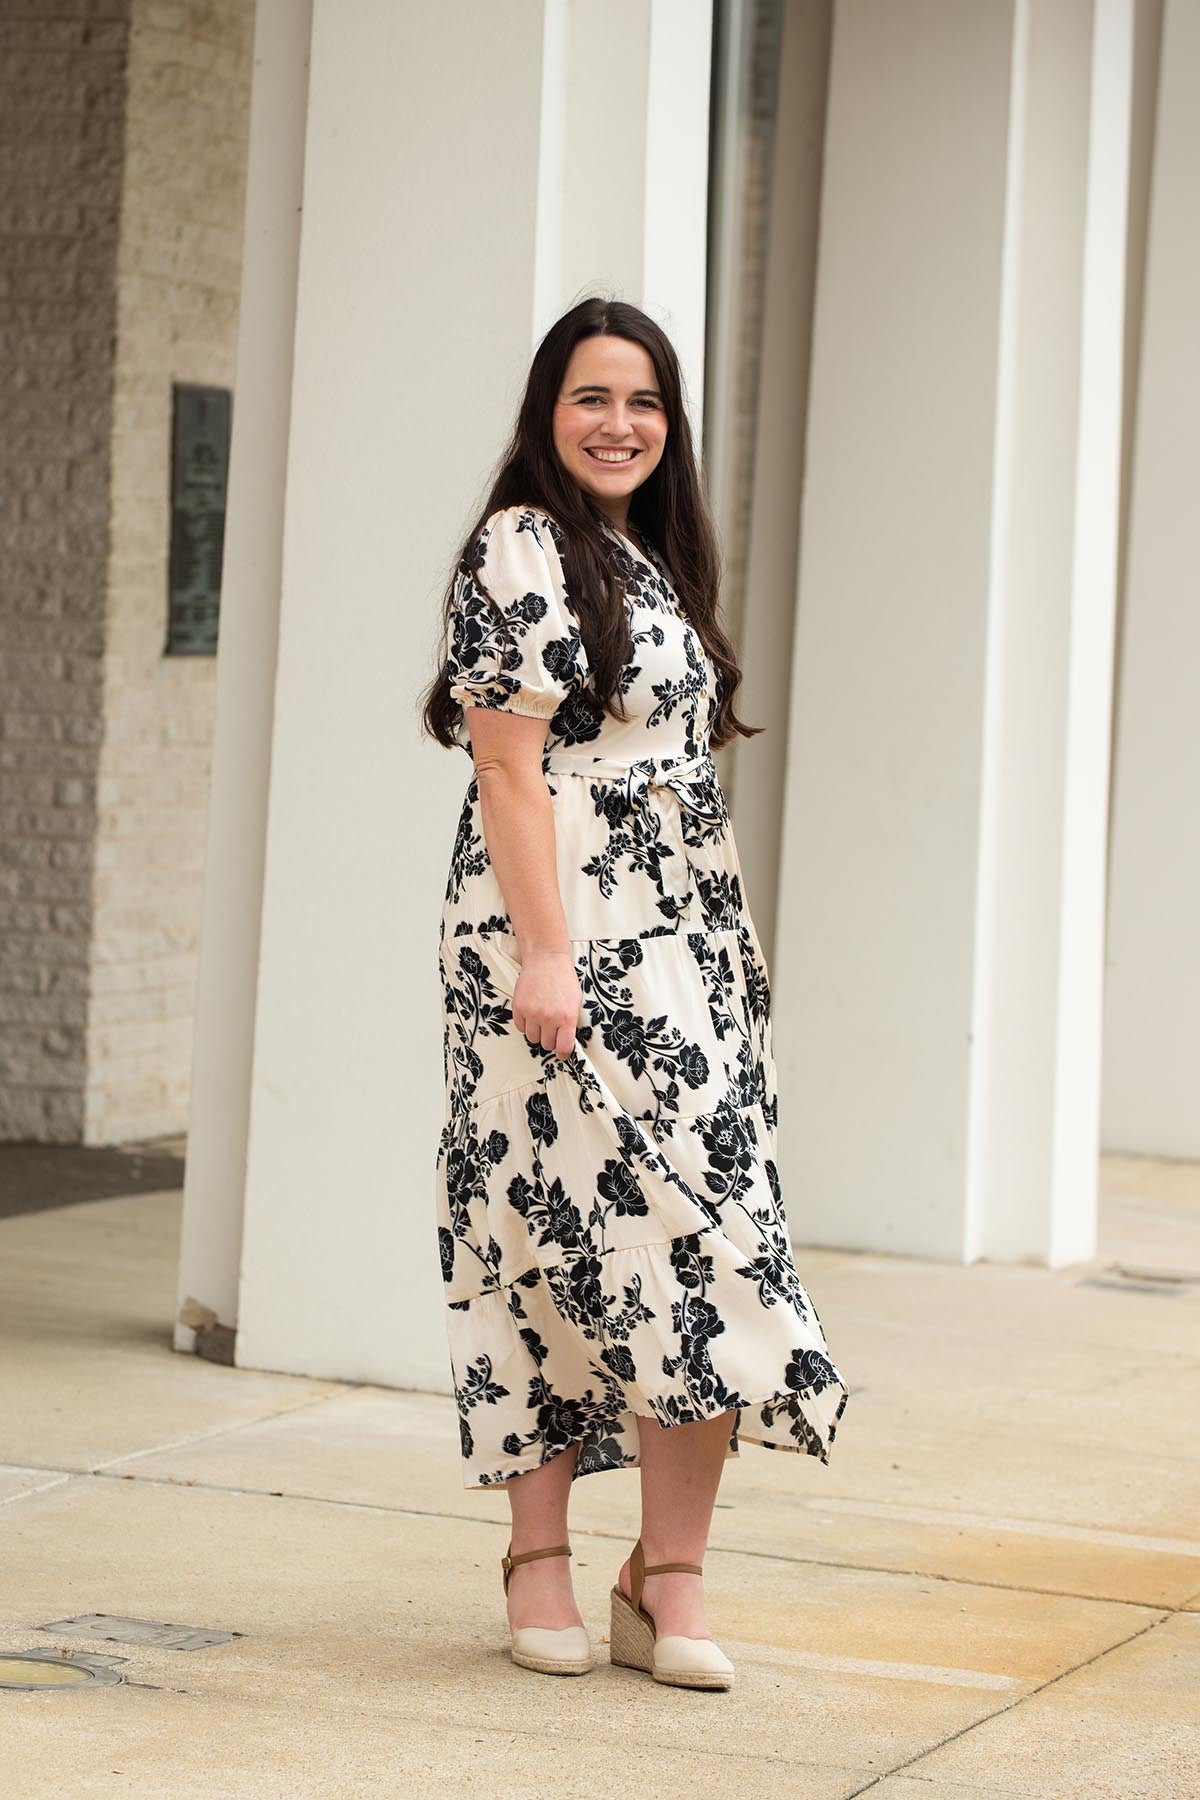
column 610, row 402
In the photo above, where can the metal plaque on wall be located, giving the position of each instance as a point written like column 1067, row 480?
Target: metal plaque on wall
column 199, row 477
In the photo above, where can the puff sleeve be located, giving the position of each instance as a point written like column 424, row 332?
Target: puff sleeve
column 524, row 654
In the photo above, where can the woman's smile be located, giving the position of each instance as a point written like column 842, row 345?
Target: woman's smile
column 616, row 457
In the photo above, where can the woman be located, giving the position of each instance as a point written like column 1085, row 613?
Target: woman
column 619, row 1280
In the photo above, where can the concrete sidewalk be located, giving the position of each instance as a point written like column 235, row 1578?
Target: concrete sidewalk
column 993, row 1590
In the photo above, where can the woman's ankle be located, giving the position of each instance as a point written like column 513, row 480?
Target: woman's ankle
column 537, row 1539
column 673, row 1550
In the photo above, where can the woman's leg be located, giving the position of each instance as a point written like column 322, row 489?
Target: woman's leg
column 540, row 1592
column 681, row 1472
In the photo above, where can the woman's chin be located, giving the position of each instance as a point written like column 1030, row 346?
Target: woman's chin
column 605, row 487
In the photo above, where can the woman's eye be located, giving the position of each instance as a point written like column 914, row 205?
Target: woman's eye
column 644, row 400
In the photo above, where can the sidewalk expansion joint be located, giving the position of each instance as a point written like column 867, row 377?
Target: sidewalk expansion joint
column 999, row 1711
column 218, row 1431
column 107, row 1473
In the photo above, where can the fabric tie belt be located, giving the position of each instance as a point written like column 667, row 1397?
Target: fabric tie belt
column 687, row 777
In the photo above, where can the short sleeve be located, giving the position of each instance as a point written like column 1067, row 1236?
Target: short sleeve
column 524, row 653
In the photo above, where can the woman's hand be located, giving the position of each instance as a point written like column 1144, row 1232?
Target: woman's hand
column 547, row 999
column 517, row 813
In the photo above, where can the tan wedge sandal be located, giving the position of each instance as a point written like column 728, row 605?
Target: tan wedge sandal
column 564, row 1652
column 634, row 1642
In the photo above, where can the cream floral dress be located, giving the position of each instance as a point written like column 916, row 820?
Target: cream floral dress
column 612, row 1233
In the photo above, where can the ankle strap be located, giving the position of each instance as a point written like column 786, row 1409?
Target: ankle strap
column 639, row 1568
column 509, row 1562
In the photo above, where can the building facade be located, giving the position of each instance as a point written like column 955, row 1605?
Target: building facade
column 930, row 273
column 124, row 164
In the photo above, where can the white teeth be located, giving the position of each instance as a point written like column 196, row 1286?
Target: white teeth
column 612, row 455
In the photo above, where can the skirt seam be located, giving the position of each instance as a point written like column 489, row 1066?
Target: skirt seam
column 659, row 1243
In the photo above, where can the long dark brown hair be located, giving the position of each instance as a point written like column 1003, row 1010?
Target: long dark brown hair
column 669, row 511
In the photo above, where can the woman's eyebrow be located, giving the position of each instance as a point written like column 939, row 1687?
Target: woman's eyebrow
column 594, row 387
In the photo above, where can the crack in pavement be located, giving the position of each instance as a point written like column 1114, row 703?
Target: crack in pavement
column 1019, row 1700
column 109, row 1472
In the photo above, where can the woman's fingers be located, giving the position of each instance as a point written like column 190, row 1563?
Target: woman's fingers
column 557, row 1033
column 549, row 1023
column 549, row 1033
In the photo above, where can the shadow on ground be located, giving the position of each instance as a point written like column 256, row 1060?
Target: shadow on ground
column 36, row 1177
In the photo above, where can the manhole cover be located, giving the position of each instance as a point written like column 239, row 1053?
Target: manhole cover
column 50, row 1669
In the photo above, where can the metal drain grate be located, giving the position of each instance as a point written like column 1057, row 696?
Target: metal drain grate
column 1128, row 1278
column 156, row 1636
column 1124, row 1286
column 1167, row 1277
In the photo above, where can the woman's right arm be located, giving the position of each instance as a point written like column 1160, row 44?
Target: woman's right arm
column 518, row 827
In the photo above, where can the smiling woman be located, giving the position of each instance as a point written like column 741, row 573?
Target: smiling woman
column 619, row 1280
column 610, row 424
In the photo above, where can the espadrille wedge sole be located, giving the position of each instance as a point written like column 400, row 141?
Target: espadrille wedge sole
column 549, row 1652
column 675, row 1660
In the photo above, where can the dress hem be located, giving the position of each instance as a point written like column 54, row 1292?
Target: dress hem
column 738, row 1437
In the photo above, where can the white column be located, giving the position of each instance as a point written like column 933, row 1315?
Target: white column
column 1023, row 1215
column 415, row 297
column 765, row 630
column 441, row 202
column 675, row 185
column 938, row 959
column 1152, row 1003
column 219, row 1103
column 634, row 213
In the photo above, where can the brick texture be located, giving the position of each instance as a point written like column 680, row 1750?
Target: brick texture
column 122, row 150
column 62, row 125
column 178, row 276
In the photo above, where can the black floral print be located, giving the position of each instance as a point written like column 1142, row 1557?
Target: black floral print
column 610, row 1224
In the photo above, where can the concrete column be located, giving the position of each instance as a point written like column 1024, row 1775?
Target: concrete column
column 938, row 953
column 768, row 614
column 444, row 198
column 634, row 218
column 1152, row 1002
column 415, row 299
column 229, row 937
column 674, row 184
